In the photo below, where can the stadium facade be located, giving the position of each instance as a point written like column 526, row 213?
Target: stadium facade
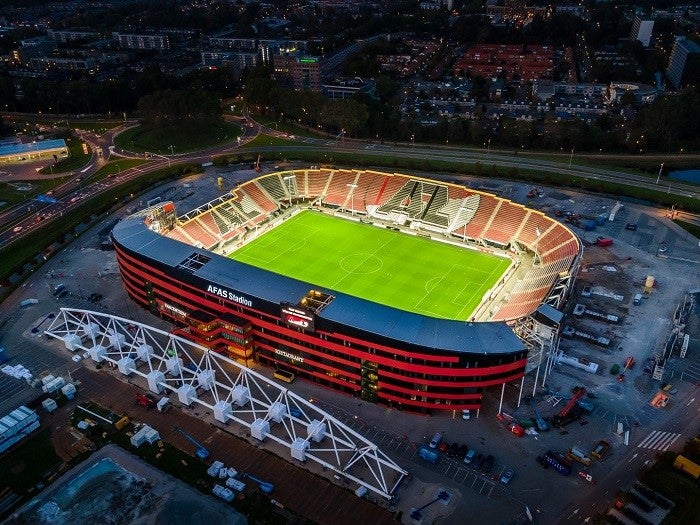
column 176, row 267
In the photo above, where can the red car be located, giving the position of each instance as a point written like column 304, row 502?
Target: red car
column 443, row 446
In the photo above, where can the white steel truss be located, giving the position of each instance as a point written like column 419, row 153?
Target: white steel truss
column 230, row 391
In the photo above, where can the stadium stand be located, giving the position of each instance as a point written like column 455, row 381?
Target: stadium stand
column 259, row 196
column 338, row 192
column 473, row 229
column 316, row 183
column 446, row 208
column 275, row 188
column 506, row 223
column 196, row 231
column 369, row 186
column 391, row 185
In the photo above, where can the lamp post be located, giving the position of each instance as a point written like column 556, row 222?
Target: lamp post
column 661, row 169
column 488, row 148
column 288, row 180
column 352, row 197
column 571, row 157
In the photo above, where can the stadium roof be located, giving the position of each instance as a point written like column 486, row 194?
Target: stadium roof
column 27, row 147
column 353, row 312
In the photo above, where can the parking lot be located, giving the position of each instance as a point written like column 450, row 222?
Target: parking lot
column 85, row 270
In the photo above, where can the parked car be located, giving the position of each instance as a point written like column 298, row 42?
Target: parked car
column 488, row 464
column 463, row 449
column 507, row 476
column 437, row 438
column 663, row 248
column 478, row 461
column 466, row 414
column 453, row 450
column 586, row 291
column 443, row 447
column 631, row 227
column 469, row 456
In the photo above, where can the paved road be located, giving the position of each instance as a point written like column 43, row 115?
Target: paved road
column 18, row 220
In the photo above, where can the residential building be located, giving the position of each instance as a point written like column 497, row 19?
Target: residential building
column 684, row 64
column 641, row 30
column 72, row 35
column 142, row 42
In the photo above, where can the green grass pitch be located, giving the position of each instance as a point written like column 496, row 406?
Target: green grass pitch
column 384, row 266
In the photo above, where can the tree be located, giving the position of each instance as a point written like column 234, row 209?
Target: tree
column 172, row 107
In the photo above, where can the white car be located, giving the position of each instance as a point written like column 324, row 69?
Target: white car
column 17, row 229
column 77, row 358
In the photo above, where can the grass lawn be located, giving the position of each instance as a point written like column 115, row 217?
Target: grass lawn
column 12, row 193
column 115, row 166
column 385, row 266
column 263, row 140
column 181, row 138
column 77, row 158
column 693, row 229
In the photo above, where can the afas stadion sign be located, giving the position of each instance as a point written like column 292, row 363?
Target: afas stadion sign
column 297, row 317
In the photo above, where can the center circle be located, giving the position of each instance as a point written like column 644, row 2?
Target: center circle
column 361, row 263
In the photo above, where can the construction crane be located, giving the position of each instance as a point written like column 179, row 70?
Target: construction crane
column 265, row 486
column 577, row 393
column 202, row 452
column 542, row 425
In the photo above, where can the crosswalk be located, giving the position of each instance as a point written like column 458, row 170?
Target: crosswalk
column 659, row 440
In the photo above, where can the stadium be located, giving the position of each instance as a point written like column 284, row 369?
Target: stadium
column 400, row 290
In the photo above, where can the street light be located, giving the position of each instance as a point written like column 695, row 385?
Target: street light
column 288, row 180
column 413, row 137
column 488, row 149
column 661, row 169
column 352, row 197
column 571, row 157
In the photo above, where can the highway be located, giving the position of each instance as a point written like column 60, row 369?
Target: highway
column 23, row 218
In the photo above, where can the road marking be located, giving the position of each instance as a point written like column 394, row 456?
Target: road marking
column 659, row 440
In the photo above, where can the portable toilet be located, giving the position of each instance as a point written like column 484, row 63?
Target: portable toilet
column 68, row 391
column 49, row 405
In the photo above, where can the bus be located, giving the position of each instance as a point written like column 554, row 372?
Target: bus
column 283, row 375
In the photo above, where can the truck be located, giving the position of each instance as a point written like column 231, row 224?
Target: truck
column 28, row 302
column 577, row 454
column 428, row 455
column 603, row 241
column 557, row 462
column 689, row 467
column 600, row 449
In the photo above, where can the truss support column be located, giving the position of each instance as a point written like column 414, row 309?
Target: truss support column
column 503, row 391
column 537, row 373
column 520, row 394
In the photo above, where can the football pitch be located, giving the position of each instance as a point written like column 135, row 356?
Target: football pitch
column 384, row 266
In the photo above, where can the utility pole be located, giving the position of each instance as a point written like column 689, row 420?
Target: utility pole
column 661, row 169
column 571, row 157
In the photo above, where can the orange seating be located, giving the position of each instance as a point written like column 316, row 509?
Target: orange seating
column 339, row 191
column 256, row 193
column 483, row 214
column 506, row 223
